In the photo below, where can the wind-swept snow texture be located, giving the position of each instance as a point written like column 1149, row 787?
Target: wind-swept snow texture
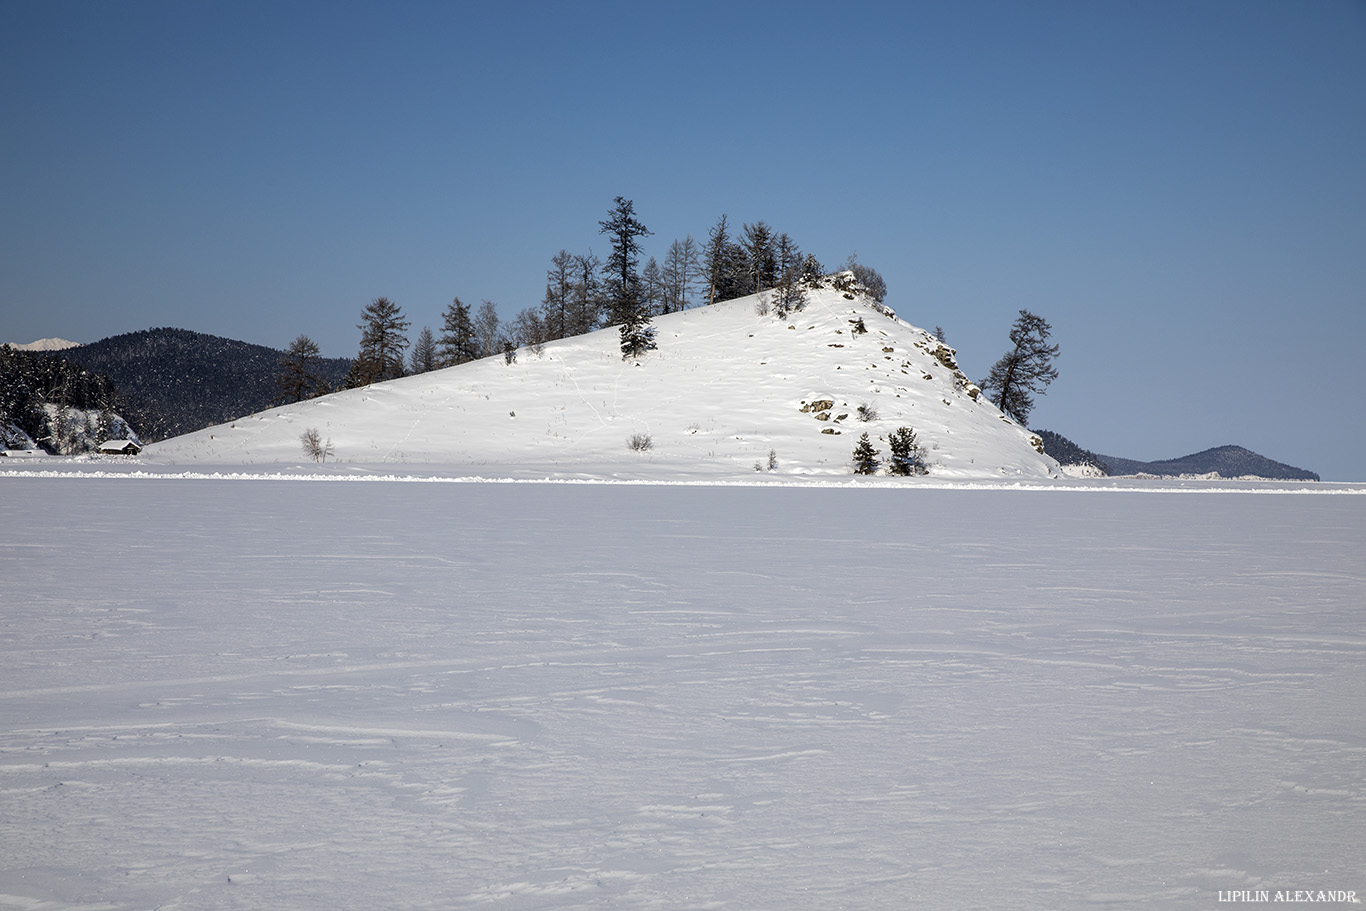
column 325, row 695
column 725, row 387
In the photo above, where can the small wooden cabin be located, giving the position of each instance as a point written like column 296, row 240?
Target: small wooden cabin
column 120, row 447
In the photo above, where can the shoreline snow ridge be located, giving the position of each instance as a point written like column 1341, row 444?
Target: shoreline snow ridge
column 376, row 475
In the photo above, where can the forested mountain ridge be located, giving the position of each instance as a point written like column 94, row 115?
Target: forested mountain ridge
column 1224, row 461
column 174, row 381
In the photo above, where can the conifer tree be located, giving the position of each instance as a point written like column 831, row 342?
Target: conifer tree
column 423, row 358
column 736, row 279
column 587, row 299
column 637, row 334
column 624, row 294
column 1025, row 371
column 714, row 259
column 787, row 256
column 298, row 377
column 486, row 332
column 652, row 287
column 528, row 329
column 865, row 456
column 382, row 343
column 356, row 375
column 790, row 292
column 681, row 270
column 812, row 271
column 458, row 343
column 907, row 456
column 759, row 255
column 559, row 294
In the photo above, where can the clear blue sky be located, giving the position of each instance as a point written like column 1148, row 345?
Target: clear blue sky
column 1178, row 187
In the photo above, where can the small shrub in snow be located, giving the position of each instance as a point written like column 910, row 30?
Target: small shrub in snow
column 865, row 456
column 313, row 445
column 640, row 442
column 761, row 307
column 867, row 413
column 871, row 280
column 868, row 278
column 773, row 460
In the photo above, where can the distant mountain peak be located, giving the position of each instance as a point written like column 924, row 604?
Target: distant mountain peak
column 45, row 344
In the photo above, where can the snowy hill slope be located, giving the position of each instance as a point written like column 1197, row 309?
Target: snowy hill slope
column 725, row 387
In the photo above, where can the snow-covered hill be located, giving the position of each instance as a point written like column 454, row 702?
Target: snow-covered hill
column 45, row 344
column 726, row 387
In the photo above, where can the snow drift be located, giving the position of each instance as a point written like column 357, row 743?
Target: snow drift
column 220, row 695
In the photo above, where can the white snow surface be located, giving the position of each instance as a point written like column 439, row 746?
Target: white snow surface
column 45, row 344
column 312, row 694
column 724, row 388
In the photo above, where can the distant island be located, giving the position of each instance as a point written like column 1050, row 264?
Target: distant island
column 1222, row 461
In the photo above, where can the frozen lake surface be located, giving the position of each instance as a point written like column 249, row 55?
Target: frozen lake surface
column 319, row 695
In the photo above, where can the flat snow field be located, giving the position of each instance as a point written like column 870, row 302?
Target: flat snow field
column 330, row 695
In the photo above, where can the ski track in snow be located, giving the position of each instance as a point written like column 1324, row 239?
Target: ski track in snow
column 221, row 695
